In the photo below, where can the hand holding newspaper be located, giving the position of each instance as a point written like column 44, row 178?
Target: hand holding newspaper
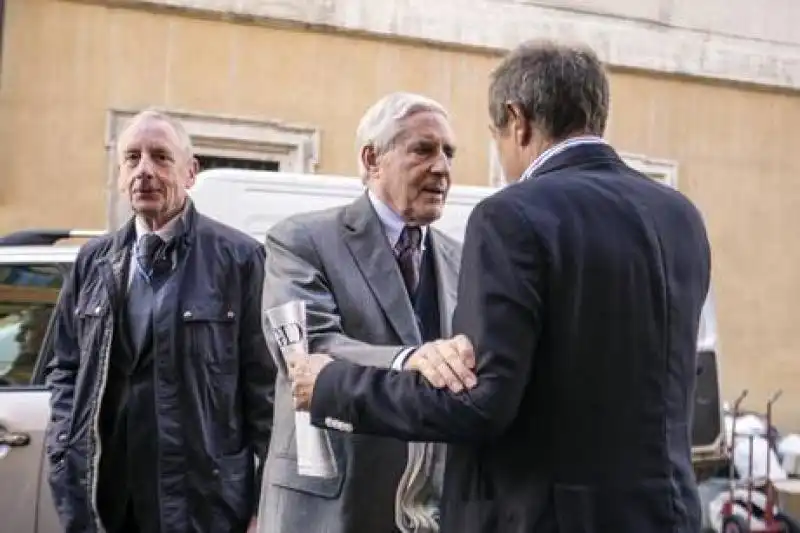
column 287, row 323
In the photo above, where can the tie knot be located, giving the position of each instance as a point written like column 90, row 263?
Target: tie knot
column 410, row 238
column 149, row 245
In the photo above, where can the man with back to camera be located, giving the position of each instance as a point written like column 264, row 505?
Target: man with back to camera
column 378, row 281
column 580, row 293
column 160, row 376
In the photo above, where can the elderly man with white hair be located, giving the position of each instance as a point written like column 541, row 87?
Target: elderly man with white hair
column 379, row 282
column 161, row 382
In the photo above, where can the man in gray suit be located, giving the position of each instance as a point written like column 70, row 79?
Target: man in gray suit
column 379, row 283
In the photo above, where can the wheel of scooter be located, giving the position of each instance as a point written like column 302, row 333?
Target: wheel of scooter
column 789, row 524
column 734, row 524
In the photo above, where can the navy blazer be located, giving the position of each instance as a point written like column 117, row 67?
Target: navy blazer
column 581, row 289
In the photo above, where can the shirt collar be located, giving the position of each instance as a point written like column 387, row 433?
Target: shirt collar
column 166, row 232
column 391, row 221
column 557, row 148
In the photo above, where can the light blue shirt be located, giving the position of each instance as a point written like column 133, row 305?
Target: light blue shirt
column 391, row 221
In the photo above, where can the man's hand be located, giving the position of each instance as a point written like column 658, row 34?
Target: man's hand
column 447, row 363
column 303, row 372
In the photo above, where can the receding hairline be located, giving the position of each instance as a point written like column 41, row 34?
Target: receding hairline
column 153, row 115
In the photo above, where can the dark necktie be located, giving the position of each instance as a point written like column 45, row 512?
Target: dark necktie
column 151, row 257
column 407, row 251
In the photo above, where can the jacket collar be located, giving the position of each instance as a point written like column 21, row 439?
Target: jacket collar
column 576, row 155
column 126, row 235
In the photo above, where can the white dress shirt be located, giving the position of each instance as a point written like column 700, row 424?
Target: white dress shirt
column 557, row 148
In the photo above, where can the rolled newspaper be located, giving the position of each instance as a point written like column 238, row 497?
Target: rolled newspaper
column 287, row 323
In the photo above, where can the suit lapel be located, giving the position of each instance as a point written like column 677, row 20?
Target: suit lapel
column 367, row 242
column 445, row 260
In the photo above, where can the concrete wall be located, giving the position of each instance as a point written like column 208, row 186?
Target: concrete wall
column 66, row 65
column 724, row 39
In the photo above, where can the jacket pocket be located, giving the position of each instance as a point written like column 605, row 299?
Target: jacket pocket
column 209, row 333
column 56, row 443
column 222, row 495
column 282, row 472
column 90, row 312
column 640, row 506
column 576, row 509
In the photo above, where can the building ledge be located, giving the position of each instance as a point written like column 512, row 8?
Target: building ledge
column 628, row 42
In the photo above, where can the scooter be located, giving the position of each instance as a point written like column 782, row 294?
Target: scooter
column 748, row 510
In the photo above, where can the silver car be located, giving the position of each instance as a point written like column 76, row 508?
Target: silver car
column 32, row 270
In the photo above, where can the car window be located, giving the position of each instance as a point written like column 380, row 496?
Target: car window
column 28, row 294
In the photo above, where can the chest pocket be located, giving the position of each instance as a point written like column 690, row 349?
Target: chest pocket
column 210, row 334
column 92, row 308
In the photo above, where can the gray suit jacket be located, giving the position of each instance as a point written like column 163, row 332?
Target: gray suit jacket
column 340, row 262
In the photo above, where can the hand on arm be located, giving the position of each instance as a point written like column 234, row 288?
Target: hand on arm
column 445, row 363
column 503, row 273
column 450, row 358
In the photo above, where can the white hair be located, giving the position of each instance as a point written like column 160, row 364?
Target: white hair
column 381, row 124
column 184, row 140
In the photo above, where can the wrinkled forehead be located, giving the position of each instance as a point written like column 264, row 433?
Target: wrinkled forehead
column 149, row 134
column 427, row 125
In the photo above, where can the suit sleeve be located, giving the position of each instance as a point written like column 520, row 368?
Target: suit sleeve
column 294, row 271
column 499, row 309
column 257, row 368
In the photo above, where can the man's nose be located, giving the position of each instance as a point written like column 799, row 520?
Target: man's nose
column 146, row 166
column 442, row 164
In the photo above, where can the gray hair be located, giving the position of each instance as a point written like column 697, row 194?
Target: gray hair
column 382, row 123
column 184, row 140
column 561, row 89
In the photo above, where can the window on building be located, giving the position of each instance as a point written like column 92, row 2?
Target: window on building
column 662, row 171
column 28, row 294
column 207, row 162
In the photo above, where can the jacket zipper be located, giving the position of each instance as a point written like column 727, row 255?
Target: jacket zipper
column 97, row 445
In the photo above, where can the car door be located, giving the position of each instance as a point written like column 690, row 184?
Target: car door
column 28, row 293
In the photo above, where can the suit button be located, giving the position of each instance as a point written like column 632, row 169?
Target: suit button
column 231, row 314
column 215, row 472
column 187, row 314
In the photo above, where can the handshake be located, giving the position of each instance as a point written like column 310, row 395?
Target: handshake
column 444, row 363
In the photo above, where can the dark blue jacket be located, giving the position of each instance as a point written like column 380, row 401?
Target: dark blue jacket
column 214, row 378
column 581, row 289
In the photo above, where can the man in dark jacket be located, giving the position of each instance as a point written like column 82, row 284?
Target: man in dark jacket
column 580, row 291
column 161, row 380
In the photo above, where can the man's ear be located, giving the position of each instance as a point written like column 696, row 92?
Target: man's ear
column 369, row 159
column 519, row 124
column 194, row 168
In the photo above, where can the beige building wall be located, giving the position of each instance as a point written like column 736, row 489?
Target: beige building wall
column 65, row 65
